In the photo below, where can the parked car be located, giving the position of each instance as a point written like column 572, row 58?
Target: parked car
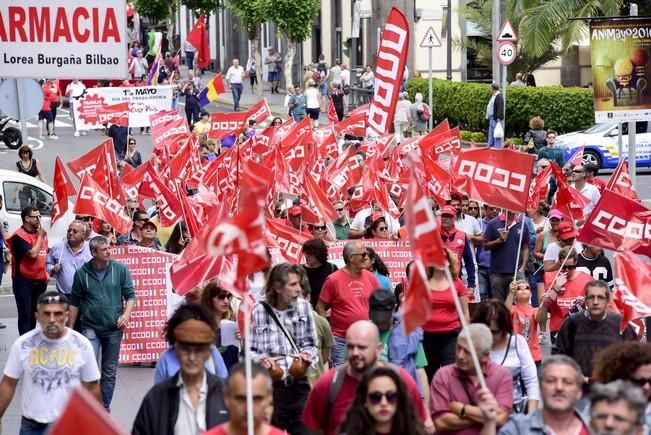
column 600, row 142
column 19, row 191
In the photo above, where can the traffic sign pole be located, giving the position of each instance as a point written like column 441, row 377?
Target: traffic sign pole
column 431, row 110
column 430, row 40
column 21, row 110
column 504, row 97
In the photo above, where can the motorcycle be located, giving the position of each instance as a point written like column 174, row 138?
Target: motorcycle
column 11, row 136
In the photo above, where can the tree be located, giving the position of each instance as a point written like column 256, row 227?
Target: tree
column 251, row 13
column 160, row 10
column 294, row 21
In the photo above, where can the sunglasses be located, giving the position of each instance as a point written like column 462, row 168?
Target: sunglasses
column 223, row 296
column 321, row 228
column 375, row 398
column 56, row 299
column 569, row 267
column 363, row 254
column 578, row 172
column 641, row 382
column 132, row 143
column 382, row 228
column 339, row 210
column 448, row 238
column 84, row 218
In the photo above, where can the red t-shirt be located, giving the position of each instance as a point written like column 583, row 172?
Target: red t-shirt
column 219, row 430
column 347, row 296
column 315, row 411
column 573, row 289
column 444, row 317
column 525, row 324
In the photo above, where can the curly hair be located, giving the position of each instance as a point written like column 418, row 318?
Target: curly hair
column 494, row 310
column 278, row 277
column 620, row 360
column 378, row 264
column 359, row 421
column 211, row 290
column 536, row 123
column 317, row 248
column 186, row 312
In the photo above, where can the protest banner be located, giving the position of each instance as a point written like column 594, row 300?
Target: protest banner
column 620, row 52
column 142, row 102
column 143, row 339
column 63, row 39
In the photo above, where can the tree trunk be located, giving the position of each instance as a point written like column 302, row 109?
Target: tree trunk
column 171, row 26
column 255, row 46
column 289, row 62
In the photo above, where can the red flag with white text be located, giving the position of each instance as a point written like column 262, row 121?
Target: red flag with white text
column 577, row 157
column 62, row 188
column 620, row 182
column 497, row 177
column 158, row 118
column 169, row 207
column 632, row 282
column 85, row 164
column 92, row 200
column 390, row 66
column 288, row 239
column 222, row 124
column 169, row 135
column 117, row 114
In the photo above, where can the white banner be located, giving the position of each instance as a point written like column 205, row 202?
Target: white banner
column 143, row 101
column 63, row 39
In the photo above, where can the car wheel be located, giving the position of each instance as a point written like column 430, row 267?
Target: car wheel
column 590, row 156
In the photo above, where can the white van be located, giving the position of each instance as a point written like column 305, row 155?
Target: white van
column 19, row 191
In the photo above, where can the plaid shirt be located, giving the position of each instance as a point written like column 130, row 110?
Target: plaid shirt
column 267, row 339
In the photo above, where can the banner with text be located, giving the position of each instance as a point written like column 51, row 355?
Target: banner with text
column 63, row 39
column 142, row 102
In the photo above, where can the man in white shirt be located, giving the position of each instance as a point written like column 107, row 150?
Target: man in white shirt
column 586, row 189
column 335, row 73
column 52, row 361
column 234, row 77
column 363, row 219
column 74, row 91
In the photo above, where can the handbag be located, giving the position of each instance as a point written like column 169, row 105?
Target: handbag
column 298, row 368
column 498, row 131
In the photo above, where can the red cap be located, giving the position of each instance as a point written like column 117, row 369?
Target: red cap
column 566, row 231
column 294, row 210
column 377, row 215
column 449, row 210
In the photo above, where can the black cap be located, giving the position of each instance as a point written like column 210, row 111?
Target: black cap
column 381, row 305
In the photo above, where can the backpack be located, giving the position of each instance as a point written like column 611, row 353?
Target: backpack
column 423, row 113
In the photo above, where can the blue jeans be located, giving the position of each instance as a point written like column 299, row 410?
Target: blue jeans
column 493, row 142
column 26, row 292
column 236, row 89
column 106, row 346
column 484, row 283
column 189, row 59
column 337, row 353
column 31, row 427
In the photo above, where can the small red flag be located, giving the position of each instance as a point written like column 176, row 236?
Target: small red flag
column 83, row 415
column 332, row 113
column 92, row 200
column 633, row 278
column 620, row 182
column 417, row 307
column 62, row 188
column 198, row 37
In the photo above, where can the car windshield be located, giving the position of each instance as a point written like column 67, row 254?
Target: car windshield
column 599, row 128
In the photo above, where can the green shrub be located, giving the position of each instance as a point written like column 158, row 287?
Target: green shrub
column 464, row 105
column 478, row 136
column 465, row 135
column 515, row 140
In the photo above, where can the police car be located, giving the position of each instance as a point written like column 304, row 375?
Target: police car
column 600, row 142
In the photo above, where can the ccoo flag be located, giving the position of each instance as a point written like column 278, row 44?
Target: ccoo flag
column 212, row 89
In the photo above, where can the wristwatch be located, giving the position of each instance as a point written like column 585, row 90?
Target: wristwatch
column 462, row 413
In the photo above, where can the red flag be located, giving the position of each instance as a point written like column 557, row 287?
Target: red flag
column 539, row 188
column 500, row 178
column 106, row 174
column 158, row 118
column 569, row 201
column 433, row 178
column 62, row 188
column 422, row 227
column 92, row 200
column 222, row 124
column 320, row 202
column 354, row 125
column 131, row 179
column 417, row 307
column 169, row 135
column 391, row 61
column 152, row 186
column 620, row 182
column 332, row 113
column 198, row 37
column 117, row 114
column 86, row 163
column 288, row 239
column 618, row 223
column 442, row 143
column 577, row 157
column 326, row 141
column 632, row 281
column 83, row 415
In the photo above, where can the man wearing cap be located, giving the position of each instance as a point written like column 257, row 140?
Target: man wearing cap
column 103, row 295
column 148, row 237
column 346, row 293
column 402, row 350
column 191, row 401
column 566, row 237
column 502, row 238
column 51, row 360
column 456, row 240
column 294, row 217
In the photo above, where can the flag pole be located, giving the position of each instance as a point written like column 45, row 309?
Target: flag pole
column 464, row 327
column 517, row 257
column 247, row 365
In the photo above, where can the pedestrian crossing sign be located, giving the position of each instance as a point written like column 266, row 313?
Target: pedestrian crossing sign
column 431, row 39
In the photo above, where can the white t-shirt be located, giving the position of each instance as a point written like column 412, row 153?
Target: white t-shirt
column 234, row 75
column 312, row 98
column 470, row 226
column 51, row 369
column 335, row 74
column 591, row 192
column 345, row 77
column 360, row 220
column 554, row 249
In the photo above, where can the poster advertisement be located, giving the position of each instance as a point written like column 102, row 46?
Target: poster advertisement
column 142, row 101
column 620, row 69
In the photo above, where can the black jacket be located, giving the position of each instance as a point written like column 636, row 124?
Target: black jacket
column 160, row 407
column 498, row 107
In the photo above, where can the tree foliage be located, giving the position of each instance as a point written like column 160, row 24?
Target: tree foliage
column 203, row 7
column 251, row 13
column 155, row 10
column 293, row 17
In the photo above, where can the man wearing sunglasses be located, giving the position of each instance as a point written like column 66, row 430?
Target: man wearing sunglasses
column 28, row 246
column 584, row 334
column 586, row 189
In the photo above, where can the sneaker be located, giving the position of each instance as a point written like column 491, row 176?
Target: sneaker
column 84, row 132
column 76, row 134
column 53, row 136
column 41, row 137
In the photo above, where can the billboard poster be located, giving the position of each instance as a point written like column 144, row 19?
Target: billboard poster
column 63, row 39
column 620, row 69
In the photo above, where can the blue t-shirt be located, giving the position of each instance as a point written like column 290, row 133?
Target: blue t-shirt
column 503, row 257
column 384, row 281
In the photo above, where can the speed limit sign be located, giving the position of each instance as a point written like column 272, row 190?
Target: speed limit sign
column 506, row 52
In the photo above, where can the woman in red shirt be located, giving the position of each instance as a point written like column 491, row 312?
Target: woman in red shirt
column 443, row 327
column 524, row 316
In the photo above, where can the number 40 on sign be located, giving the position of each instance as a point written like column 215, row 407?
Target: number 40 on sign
column 506, row 52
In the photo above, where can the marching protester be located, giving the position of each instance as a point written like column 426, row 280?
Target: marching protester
column 66, row 256
column 192, row 400
column 135, row 235
column 458, row 241
column 235, row 400
column 235, row 76
column 565, row 236
column 28, row 246
column 590, row 191
column 312, row 103
column 617, row 408
column 525, row 317
column 46, row 383
column 593, row 262
column 132, row 155
column 379, row 269
column 218, row 301
column 317, row 266
column 103, row 298
column 283, row 340
column 333, row 393
column 342, row 223
column 345, row 293
column 148, row 237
